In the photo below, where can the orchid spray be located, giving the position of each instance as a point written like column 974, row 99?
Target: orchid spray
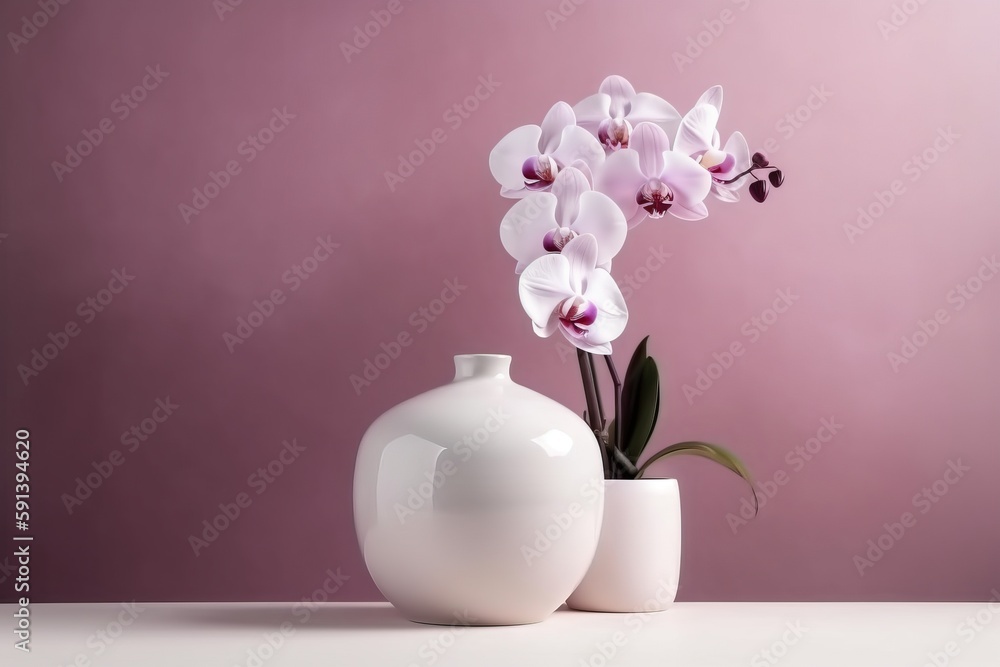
column 584, row 178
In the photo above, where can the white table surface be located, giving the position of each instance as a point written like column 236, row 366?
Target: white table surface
column 374, row 635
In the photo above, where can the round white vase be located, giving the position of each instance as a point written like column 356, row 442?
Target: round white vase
column 638, row 560
column 479, row 502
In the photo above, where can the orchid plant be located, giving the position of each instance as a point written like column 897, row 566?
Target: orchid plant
column 585, row 178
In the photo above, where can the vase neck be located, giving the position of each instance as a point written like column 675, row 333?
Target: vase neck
column 471, row 366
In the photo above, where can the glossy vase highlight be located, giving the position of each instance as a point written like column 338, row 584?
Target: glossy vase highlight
column 638, row 560
column 479, row 502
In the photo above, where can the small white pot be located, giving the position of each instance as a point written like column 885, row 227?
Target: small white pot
column 637, row 564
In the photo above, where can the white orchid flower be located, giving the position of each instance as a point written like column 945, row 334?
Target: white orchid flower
column 530, row 157
column 545, row 222
column 698, row 138
column 568, row 293
column 649, row 179
column 613, row 112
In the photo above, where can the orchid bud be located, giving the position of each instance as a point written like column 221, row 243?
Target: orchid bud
column 758, row 190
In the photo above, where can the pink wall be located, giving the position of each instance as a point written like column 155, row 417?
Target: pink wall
column 887, row 97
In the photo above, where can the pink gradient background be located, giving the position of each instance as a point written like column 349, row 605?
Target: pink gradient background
column 324, row 175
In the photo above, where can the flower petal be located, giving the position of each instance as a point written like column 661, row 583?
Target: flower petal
column 687, row 179
column 621, row 93
column 543, row 286
column 693, row 211
column 510, row 153
column 581, row 254
column 648, row 108
column 650, row 141
column 620, row 178
column 581, row 341
column 612, row 312
column 697, row 130
column 736, row 146
column 559, row 117
column 712, row 97
column 585, row 170
column 578, row 144
column 725, row 193
column 548, row 328
column 569, row 185
column 590, row 111
column 523, row 228
column 601, row 217
column 636, row 218
column 518, row 193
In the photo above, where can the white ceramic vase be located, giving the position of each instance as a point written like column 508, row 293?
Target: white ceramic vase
column 479, row 502
column 637, row 564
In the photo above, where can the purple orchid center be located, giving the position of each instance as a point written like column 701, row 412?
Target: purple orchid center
column 577, row 314
column 539, row 172
column 614, row 133
column 655, row 197
column 716, row 161
column 556, row 239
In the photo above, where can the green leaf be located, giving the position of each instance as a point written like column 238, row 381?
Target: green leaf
column 656, row 417
column 630, row 388
column 646, row 401
column 714, row 453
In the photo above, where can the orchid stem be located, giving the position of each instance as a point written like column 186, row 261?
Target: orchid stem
column 748, row 171
column 617, row 442
column 597, row 390
column 592, row 409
